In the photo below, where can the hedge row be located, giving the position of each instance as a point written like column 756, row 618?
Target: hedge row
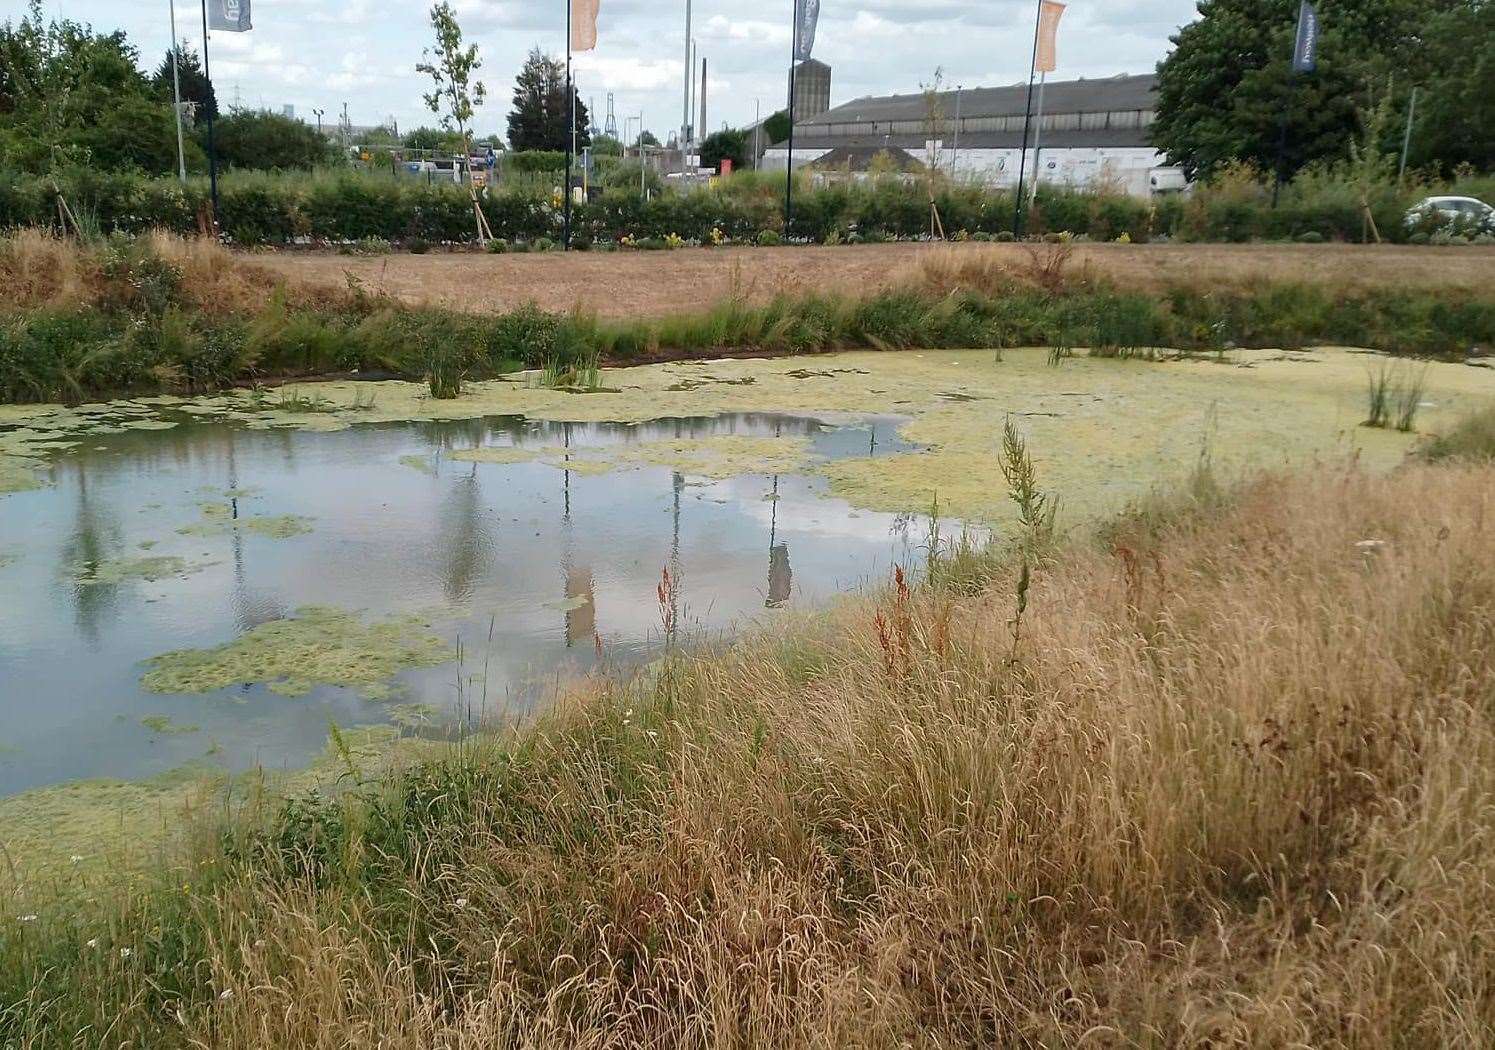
column 331, row 208
column 280, row 209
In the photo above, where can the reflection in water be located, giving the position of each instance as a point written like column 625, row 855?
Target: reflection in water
column 477, row 550
column 95, row 538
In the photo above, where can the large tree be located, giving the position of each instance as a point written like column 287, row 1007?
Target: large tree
column 250, row 139
column 727, row 144
column 196, row 87
column 69, row 95
column 1456, row 113
column 1223, row 88
column 538, row 119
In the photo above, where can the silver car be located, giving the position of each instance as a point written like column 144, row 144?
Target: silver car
column 1464, row 214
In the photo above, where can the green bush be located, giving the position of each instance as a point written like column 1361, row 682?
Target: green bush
column 768, row 238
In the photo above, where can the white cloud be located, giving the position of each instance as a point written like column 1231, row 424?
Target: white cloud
column 313, row 53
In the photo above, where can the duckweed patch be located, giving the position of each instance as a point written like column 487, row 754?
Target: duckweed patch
column 1104, row 430
column 218, row 520
column 712, row 457
column 149, row 569
column 291, row 657
column 420, row 463
column 164, row 726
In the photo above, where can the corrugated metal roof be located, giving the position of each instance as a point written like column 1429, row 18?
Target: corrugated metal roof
column 1067, row 96
column 1103, row 138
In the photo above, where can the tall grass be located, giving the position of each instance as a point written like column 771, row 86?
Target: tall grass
column 1234, row 787
column 160, row 313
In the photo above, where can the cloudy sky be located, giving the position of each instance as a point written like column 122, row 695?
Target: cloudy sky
column 322, row 53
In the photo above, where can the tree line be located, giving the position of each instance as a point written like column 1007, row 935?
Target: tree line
column 1227, row 84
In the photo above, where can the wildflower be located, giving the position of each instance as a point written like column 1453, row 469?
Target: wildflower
column 26, row 918
column 461, row 902
column 125, row 953
column 225, row 995
column 93, row 942
column 76, row 858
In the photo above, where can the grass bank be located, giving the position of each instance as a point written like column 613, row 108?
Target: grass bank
column 162, row 314
column 1225, row 774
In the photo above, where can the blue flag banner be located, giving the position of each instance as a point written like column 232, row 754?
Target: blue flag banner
column 806, row 16
column 1306, row 49
column 229, row 16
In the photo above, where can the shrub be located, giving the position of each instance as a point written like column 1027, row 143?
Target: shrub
column 1310, row 237
column 497, row 246
column 417, row 245
column 769, row 238
column 542, row 244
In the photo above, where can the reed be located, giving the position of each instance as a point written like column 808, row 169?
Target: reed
column 1234, row 783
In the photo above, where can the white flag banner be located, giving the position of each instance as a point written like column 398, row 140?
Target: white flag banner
column 229, row 16
column 584, row 24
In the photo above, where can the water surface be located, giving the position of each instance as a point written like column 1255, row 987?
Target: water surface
column 533, row 569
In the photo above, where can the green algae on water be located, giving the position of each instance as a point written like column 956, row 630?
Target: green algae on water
column 317, row 646
column 218, row 520
column 716, row 458
column 163, row 725
column 150, row 569
column 420, row 463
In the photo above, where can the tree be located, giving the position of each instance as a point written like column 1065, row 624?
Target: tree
column 1224, row 87
column 248, row 139
column 1455, row 118
column 730, row 144
column 432, row 139
column 454, row 93
column 67, row 94
column 538, row 119
column 607, row 146
column 776, row 127
column 195, row 86
column 646, row 138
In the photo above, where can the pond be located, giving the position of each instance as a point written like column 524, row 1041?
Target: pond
column 216, row 594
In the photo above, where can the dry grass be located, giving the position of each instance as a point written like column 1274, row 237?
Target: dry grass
column 633, row 284
column 41, row 269
column 1235, row 785
column 1045, row 267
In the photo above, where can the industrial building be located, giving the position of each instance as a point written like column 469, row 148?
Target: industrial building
column 812, row 89
column 1091, row 132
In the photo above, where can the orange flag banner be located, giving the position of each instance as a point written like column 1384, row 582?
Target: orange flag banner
column 1048, row 27
column 584, row 24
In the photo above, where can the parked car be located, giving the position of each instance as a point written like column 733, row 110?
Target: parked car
column 1468, row 215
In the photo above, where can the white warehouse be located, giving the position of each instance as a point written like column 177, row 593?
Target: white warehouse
column 1091, row 132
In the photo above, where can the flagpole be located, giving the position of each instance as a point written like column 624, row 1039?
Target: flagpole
column 212, row 154
column 1292, row 84
column 1038, row 137
column 570, row 132
column 1022, row 163
column 176, row 95
column 789, row 165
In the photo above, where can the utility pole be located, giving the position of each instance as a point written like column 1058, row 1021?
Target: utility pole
column 1401, row 172
column 703, row 97
column 757, row 132
column 955, row 148
column 685, row 111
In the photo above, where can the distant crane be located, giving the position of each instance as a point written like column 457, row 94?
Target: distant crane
column 610, row 128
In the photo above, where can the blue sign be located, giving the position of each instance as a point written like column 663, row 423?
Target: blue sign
column 1306, row 49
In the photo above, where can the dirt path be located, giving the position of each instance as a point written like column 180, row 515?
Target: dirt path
column 622, row 284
